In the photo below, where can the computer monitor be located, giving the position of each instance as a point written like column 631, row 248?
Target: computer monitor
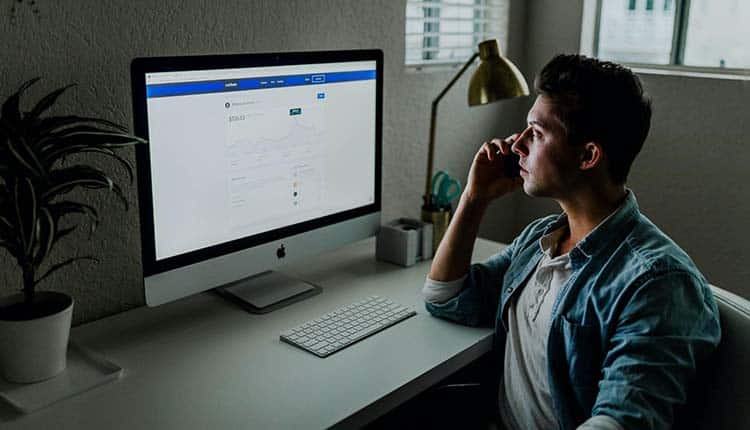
column 254, row 161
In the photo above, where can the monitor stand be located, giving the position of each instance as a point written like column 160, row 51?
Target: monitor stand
column 267, row 291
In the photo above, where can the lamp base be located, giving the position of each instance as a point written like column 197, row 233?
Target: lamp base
column 439, row 220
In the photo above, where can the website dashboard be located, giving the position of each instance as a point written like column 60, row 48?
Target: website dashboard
column 238, row 152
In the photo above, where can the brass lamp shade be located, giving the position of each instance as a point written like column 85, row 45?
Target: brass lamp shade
column 496, row 78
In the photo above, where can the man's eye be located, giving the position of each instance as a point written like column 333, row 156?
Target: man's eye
column 537, row 135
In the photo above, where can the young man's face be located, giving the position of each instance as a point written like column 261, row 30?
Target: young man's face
column 549, row 164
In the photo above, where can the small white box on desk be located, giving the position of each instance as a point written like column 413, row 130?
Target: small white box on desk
column 404, row 241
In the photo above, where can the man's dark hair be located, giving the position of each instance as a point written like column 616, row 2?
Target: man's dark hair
column 599, row 101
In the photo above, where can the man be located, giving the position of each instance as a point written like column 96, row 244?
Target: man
column 600, row 318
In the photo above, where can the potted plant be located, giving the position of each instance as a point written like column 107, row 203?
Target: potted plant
column 39, row 166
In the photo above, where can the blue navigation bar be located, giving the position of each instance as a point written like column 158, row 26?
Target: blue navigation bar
column 185, row 88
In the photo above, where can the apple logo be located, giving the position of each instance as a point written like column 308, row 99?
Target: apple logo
column 281, row 252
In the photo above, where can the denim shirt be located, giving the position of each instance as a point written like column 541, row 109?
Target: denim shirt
column 627, row 330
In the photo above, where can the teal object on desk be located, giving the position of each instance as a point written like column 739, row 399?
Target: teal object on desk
column 444, row 189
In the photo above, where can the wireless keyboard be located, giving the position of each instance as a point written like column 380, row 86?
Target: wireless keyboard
column 344, row 326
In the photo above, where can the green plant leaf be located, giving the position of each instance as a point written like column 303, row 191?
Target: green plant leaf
column 106, row 139
column 59, row 155
column 67, row 207
column 59, row 266
column 62, row 232
column 47, row 101
column 5, row 223
column 66, row 187
column 52, row 153
column 49, row 140
column 25, row 208
column 61, row 209
column 32, row 214
column 52, row 147
column 66, row 179
column 45, row 235
column 11, row 110
column 58, row 123
column 32, row 217
column 126, row 164
column 83, row 127
column 26, row 158
column 76, row 171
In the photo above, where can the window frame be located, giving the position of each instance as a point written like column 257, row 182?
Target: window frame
column 591, row 25
column 501, row 35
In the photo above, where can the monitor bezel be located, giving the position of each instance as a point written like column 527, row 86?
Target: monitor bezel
column 141, row 66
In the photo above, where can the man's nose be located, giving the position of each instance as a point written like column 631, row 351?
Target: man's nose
column 519, row 146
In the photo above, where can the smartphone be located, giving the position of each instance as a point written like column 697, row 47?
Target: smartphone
column 510, row 165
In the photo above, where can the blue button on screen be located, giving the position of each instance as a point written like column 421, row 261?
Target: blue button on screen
column 321, row 95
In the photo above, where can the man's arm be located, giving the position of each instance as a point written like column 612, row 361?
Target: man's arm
column 469, row 294
column 669, row 324
column 486, row 182
column 453, row 256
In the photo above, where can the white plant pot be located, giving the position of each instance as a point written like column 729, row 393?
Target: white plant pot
column 35, row 349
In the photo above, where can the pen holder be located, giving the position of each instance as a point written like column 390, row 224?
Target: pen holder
column 439, row 220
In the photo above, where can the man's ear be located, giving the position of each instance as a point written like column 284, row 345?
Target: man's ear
column 591, row 156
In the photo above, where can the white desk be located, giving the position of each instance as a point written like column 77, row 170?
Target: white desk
column 204, row 363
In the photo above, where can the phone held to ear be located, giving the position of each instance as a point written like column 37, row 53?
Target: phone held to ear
column 510, row 165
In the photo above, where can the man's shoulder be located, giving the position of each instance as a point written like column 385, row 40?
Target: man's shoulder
column 654, row 251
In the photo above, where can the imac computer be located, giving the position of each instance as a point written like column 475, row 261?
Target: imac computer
column 254, row 161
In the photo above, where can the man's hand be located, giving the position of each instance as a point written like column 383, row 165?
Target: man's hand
column 487, row 181
column 487, row 178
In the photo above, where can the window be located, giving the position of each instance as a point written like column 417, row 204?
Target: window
column 699, row 33
column 448, row 31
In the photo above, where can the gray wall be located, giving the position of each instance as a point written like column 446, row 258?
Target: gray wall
column 93, row 45
column 692, row 177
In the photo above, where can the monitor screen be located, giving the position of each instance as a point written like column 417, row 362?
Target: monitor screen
column 247, row 150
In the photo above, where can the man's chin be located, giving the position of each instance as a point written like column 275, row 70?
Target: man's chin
column 533, row 191
column 529, row 189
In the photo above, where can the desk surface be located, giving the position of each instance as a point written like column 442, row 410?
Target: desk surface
column 202, row 362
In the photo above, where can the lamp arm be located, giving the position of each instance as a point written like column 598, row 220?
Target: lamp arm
column 433, row 119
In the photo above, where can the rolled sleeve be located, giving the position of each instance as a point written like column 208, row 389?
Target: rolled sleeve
column 478, row 298
column 476, row 301
column 441, row 291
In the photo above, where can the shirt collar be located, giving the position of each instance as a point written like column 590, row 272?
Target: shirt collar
column 549, row 243
column 610, row 228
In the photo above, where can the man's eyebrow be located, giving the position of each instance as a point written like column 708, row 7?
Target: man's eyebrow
column 548, row 126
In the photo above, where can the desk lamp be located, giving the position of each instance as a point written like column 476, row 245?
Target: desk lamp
column 496, row 78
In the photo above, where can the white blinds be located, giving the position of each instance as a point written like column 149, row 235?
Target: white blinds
column 448, row 31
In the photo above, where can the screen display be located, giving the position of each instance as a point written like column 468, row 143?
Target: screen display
column 238, row 152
